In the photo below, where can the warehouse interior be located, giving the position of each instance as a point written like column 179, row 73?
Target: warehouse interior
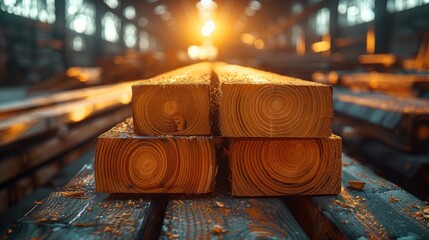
column 67, row 67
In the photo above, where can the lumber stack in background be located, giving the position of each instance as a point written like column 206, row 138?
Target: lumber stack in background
column 174, row 103
column 254, row 103
column 129, row 163
column 400, row 85
column 401, row 123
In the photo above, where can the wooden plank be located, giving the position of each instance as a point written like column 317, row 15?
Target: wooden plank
column 28, row 158
column 402, row 85
column 222, row 217
column 128, row 163
column 39, row 121
column 278, row 167
column 409, row 170
column 254, row 103
column 381, row 210
column 174, row 103
column 402, row 123
column 78, row 212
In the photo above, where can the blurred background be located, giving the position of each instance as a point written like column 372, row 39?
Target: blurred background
column 66, row 67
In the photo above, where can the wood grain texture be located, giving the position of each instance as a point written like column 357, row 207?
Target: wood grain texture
column 277, row 167
column 174, row 103
column 229, row 218
column 128, row 163
column 254, row 103
column 402, row 123
column 402, row 85
column 76, row 211
column 381, row 210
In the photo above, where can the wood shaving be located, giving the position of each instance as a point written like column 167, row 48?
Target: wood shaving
column 172, row 235
column 73, row 194
column 356, row 185
column 220, row 204
column 38, row 202
column 218, row 229
column 393, row 199
column 84, row 224
column 342, row 204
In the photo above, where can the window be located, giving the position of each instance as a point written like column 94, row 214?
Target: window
column 320, row 22
column 80, row 16
column 111, row 27
column 130, row 35
column 130, row 12
column 112, row 3
column 353, row 12
column 400, row 5
column 40, row 10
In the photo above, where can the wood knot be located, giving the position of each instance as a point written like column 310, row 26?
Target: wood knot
column 180, row 122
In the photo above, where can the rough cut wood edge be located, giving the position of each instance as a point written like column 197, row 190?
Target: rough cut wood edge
column 402, row 123
column 381, row 210
column 128, row 163
column 255, row 103
column 280, row 167
column 223, row 217
column 174, row 103
column 77, row 212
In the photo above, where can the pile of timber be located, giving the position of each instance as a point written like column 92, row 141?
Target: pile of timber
column 400, row 123
column 400, row 85
column 378, row 210
column 278, row 133
column 40, row 135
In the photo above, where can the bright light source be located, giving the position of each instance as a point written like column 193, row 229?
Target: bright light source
column 255, row 5
column 259, row 44
column 208, row 28
column 79, row 23
column 78, row 44
column 130, row 12
column 247, row 38
column 202, row 52
column 160, row 9
column 321, row 46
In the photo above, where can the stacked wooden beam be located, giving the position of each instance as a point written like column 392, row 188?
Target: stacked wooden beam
column 280, row 134
column 278, row 129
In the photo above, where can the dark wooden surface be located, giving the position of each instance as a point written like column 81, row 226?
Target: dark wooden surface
column 76, row 211
column 380, row 210
column 223, row 217
column 401, row 123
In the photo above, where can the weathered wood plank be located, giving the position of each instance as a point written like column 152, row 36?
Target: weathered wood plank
column 254, row 103
column 409, row 170
column 223, row 217
column 401, row 85
column 128, row 163
column 402, row 123
column 40, row 152
column 278, row 167
column 38, row 121
column 174, row 103
column 380, row 210
column 76, row 211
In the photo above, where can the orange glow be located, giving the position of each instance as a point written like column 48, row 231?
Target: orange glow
column 202, row 52
column 83, row 77
column 208, row 28
column 247, row 38
column 80, row 113
column 259, row 44
column 321, row 46
column 385, row 59
column 125, row 98
column 370, row 40
column 73, row 72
